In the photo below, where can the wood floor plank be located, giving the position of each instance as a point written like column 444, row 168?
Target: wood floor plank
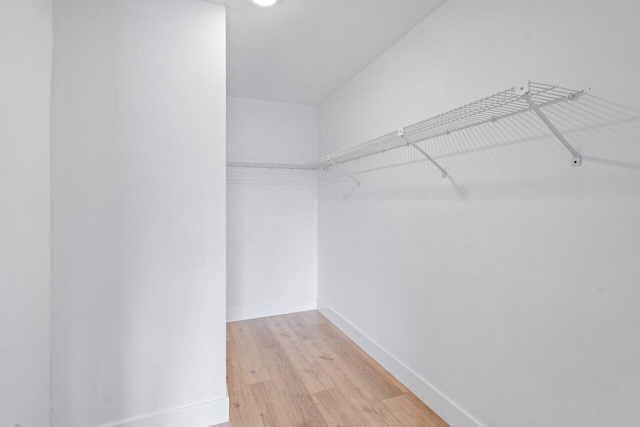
column 349, row 406
column 235, row 389
column 272, row 407
column 322, row 330
column 337, row 333
column 401, row 411
column 262, row 335
column 243, row 337
column 308, row 369
column 242, row 407
column 327, row 359
column 381, row 386
column 313, row 317
column 302, row 409
column 252, row 368
column 302, row 329
column 282, row 331
column 340, row 374
column 430, row 412
column 301, row 371
column 229, row 337
column 335, row 412
column 327, row 407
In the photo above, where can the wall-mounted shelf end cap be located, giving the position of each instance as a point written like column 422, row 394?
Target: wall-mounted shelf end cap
column 523, row 88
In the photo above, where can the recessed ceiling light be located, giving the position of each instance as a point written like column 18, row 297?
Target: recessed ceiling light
column 265, row 2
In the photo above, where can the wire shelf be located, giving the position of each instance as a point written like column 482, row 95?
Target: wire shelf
column 513, row 101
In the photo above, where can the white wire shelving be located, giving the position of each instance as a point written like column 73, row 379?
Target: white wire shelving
column 526, row 97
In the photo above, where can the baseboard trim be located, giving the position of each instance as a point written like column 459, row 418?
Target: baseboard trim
column 205, row 414
column 442, row 404
column 266, row 310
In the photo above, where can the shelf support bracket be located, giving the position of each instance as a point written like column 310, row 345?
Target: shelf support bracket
column 343, row 171
column 424, row 153
column 526, row 95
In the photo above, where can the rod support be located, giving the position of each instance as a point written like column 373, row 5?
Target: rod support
column 330, row 160
column 409, row 142
column 525, row 92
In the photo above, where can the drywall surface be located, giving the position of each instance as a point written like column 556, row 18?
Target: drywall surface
column 138, row 213
column 510, row 289
column 26, row 39
column 272, row 241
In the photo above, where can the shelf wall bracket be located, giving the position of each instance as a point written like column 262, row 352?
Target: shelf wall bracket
column 525, row 92
column 343, row 171
column 402, row 135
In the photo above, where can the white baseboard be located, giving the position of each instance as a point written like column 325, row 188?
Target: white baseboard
column 205, row 414
column 444, row 406
column 266, row 310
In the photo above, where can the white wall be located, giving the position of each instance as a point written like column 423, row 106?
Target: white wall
column 138, row 227
column 272, row 214
column 511, row 294
column 25, row 76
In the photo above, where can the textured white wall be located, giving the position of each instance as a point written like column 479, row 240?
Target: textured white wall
column 138, row 213
column 272, row 226
column 26, row 39
column 514, row 291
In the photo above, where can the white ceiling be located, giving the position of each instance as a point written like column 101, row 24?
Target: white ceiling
column 302, row 51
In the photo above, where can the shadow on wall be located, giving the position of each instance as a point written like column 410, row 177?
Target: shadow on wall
column 515, row 156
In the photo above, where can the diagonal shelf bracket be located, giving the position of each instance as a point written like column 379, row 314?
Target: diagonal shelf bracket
column 402, row 135
column 525, row 92
column 343, row 171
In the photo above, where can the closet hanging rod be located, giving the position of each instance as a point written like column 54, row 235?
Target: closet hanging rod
column 269, row 166
column 522, row 98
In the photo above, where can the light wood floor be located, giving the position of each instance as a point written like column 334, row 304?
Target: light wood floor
column 299, row 370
